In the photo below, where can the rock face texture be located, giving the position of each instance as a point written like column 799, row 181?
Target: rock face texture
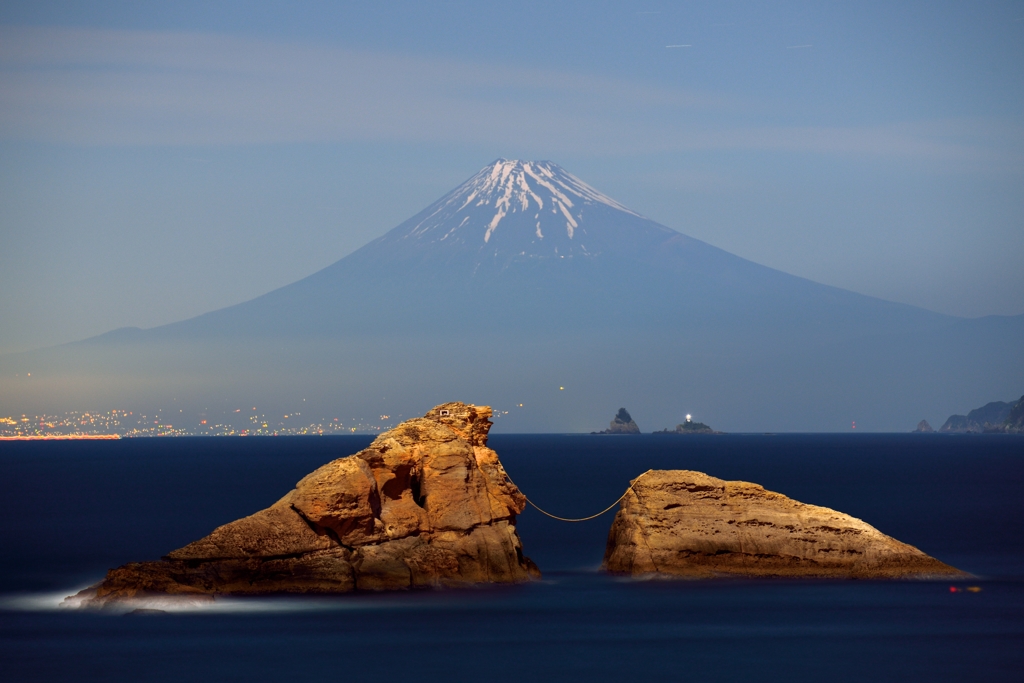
column 688, row 524
column 427, row 504
column 622, row 424
column 923, row 426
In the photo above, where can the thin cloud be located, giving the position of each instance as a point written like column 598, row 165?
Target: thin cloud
column 135, row 87
column 93, row 87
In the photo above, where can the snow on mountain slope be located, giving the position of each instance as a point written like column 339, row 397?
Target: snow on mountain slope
column 531, row 209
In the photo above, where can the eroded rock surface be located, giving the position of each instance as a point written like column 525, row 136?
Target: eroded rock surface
column 684, row 523
column 427, row 504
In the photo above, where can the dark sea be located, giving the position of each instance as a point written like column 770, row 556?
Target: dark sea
column 72, row 510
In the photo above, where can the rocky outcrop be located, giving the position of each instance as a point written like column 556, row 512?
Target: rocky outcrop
column 688, row 524
column 924, row 427
column 622, row 424
column 427, row 504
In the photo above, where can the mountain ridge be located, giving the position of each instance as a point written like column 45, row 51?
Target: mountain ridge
column 624, row 246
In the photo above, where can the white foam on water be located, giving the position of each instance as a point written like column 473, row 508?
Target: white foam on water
column 69, row 601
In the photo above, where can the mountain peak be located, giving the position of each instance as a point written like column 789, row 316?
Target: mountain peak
column 511, row 185
column 528, row 208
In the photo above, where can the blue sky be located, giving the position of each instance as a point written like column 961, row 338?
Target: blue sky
column 161, row 160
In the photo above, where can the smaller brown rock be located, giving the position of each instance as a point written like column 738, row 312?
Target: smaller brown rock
column 688, row 524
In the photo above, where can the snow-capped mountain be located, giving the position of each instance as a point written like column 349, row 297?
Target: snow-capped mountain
column 529, row 246
column 518, row 212
column 531, row 209
column 526, row 287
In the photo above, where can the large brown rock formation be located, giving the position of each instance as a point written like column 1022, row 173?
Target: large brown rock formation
column 427, row 504
column 683, row 523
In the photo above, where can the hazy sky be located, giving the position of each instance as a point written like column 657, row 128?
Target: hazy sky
column 159, row 160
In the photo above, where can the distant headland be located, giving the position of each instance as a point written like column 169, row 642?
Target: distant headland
column 997, row 417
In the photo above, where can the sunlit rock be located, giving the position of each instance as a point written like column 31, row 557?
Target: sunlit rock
column 688, row 524
column 427, row 504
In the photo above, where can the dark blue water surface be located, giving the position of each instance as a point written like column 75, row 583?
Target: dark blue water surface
column 71, row 510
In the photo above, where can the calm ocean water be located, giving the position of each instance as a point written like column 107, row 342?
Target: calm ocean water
column 71, row 510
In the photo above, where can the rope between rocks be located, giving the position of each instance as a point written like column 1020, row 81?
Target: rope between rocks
column 580, row 519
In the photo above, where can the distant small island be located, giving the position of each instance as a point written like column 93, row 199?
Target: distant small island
column 622, row 424
column 689, row 427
